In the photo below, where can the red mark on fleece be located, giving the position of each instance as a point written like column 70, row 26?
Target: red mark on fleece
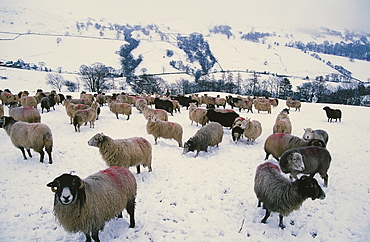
column 268, row 165
column 229, row 111
column 279, row 135
column 141, row 141
column 113, row 171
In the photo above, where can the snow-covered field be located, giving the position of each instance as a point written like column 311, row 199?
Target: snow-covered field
column 208, row 198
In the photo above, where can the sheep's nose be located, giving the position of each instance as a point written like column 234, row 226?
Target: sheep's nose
column 66, row 198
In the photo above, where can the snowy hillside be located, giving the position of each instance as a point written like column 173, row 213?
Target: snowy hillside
column 208, row 198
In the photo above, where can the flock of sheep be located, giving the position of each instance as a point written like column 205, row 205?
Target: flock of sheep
column 76, row 199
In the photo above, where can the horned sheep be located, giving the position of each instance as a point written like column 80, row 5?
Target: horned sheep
column 127, row 152
column 316, row 134
column 280, row 195
column 306, row 160
column 85, row 205
column 276, row 144
column 164, row 129
column 36, row 136
column 209, row 135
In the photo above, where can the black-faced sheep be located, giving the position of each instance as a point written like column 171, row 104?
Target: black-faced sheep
column 314, row 159
column 282, row 123
column 28, row 136
column 278, row 194
column 276, row 144
column 209, row 135
column 86, row 205
column 25, row 114
column 128, row 152
column 226, row 119
column 333, row 114
column 252, row 129
column 293, row 104
column 198, row 115
column 84, row 116
column 185, row 101
column 164, row 129
column 237, row 131
column 316, row 134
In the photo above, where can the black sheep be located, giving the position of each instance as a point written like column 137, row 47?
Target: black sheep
column 226, row 119
column 47, row 103
column 164, row 104
column 333, row 114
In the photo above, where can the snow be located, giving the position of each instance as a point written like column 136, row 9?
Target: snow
column 208, row 198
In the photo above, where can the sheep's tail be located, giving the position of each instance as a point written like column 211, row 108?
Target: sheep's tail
column 76, row 118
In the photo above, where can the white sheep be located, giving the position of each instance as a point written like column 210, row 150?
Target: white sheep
column 25, row 114
column 86, row 205
column 159, row 113
column 316, row 134
column 36, row 136
column 282, row 123
column 84, row 116
column 120, row 108
column 293, row 104
column 28, row 101
column 128, row 152
column 252, row 129
column 278, row 194
column 198, row 115
column 71, row 108
column 164, row 129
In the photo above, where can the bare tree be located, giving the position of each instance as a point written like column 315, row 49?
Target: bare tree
column 95, row 76
column 55, row 81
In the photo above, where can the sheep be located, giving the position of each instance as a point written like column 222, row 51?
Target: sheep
column 176, row 106
column 120, row 108
column 198, row 115
column 220, row 101
column 86, row 205
column 274, row 102
column 293, row 104
column 252, row 129
column 262, row 106
column 282, row 123
column 209, row 135
column 7, row 97
column 25, row 114
column 306, row 160
column 226, row 119
column 185, row 101
column 101, row 99
column 71, row 108
column 333, row 114
column 164, row 129
column 159, row 113
column 237, row 131
column 128, row 152
column 244, row 104
column 84, row 116
column 278, row 194
column 28, row 101
column 276, row 144
column 164, row 104
column 316, row 134
column 36, row 136
column 140, row 103
column 47, row 103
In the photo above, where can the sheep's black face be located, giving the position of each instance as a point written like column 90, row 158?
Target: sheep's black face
column 66, row 188
column 189, row 146
column 309, row 187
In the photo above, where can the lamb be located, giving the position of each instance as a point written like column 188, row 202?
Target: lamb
column 86, row 205
column 276, row 144
column 293, row 104
column 84, row 116
column 209, row 135
column 36, row 136
column 120, row 108
column 310, row 160
column 25, row 114
column 198, row 115
column 282, row 123
column 128, row 152
column 252, row 129
column 316, row 134
column 47, row 103
column 164, row 129
column 159, row 113
column 280, row 195
column 333, row 114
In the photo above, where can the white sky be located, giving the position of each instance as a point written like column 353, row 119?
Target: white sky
column 352, row 14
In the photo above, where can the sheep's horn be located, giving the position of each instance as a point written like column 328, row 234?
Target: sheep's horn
column 81, row 184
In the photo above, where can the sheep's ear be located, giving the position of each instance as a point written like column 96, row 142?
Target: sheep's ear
column 101, row 137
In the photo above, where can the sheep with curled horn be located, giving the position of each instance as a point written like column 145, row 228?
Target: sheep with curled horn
column 85, row 205
column 36, row 136
column 279, row 194
column 276, row 144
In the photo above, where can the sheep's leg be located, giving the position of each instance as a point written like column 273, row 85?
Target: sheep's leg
column 23, row 153
column 259, row 203
column 138, row 169
column 128, row 117
column 117, row 115
column 155, row 139
column 42, row 154
column 281, row 225
column 95, row 236
column 267, row 156
column 29, row 152
column 131, row 211
column 88, row 237
column 48, row 150
column 325, row 177
column 267, row 215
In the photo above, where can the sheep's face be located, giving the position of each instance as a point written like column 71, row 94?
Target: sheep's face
column 295, row 161
column 189, row 146
column 309, row 187
column 237, row 133
column 96, row 139
column 66, row 188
